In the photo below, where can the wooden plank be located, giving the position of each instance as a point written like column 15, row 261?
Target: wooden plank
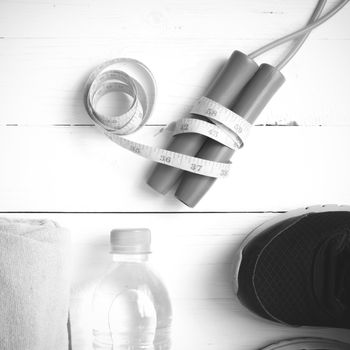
column 238, row 19
column 46, row 51
column 184, row 43
column 42, row 80
column 79, row 169
column 193, row 254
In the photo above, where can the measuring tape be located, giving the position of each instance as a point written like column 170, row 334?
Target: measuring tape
column 134, row 79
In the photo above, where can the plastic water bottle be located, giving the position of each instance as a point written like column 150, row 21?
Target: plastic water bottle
column 131, row 306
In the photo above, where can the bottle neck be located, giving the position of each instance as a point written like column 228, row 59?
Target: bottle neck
column 136, row 258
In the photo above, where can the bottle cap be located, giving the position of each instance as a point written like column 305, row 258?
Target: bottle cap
column 131, row 241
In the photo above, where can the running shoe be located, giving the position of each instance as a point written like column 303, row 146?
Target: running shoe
column 308, row 344
column 295, row 268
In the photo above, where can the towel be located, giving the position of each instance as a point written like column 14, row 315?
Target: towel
column 34, row 285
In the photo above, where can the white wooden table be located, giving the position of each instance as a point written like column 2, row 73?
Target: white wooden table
column 55, row 164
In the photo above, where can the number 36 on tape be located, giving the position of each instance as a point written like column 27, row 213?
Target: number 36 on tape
column 223, row 125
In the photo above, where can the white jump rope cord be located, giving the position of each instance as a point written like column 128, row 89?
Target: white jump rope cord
column 306, row 30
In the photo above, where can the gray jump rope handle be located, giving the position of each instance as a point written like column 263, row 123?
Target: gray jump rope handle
column 252, row 100
column 225, row 89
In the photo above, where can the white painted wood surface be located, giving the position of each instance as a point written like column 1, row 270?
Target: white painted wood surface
column 193, row 253
column 53, row 160
column 79, row 169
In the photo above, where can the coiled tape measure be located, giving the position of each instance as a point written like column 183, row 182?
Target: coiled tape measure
column 134, row 79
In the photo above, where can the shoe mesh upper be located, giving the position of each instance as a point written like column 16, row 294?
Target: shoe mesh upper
column 283, row 275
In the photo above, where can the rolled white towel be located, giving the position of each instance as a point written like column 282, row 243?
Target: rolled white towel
column 34, row 285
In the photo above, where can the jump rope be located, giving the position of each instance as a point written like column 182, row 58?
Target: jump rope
column 219, row 122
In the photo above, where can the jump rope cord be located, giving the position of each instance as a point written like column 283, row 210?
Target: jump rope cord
column 299, row 42
column 313, row 23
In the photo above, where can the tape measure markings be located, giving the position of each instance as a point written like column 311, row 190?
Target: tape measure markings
column 218, row 113
column 223, row 125
column 174, row 159
column 187, row 125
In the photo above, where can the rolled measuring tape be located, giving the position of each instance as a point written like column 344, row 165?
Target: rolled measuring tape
column 133, row 78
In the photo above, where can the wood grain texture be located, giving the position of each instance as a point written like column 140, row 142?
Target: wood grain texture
column 194, row 257
column 79, row 169
column 49, row 47
column 244, row 19
column 53, row 160
column 42, row 80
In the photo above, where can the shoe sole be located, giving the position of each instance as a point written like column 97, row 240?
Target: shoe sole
column 238, row 256
column 308, row 344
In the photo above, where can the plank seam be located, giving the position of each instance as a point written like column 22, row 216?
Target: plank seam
column 144, row 212
column 286, row 124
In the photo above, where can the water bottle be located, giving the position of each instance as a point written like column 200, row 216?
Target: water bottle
column 131, row 306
